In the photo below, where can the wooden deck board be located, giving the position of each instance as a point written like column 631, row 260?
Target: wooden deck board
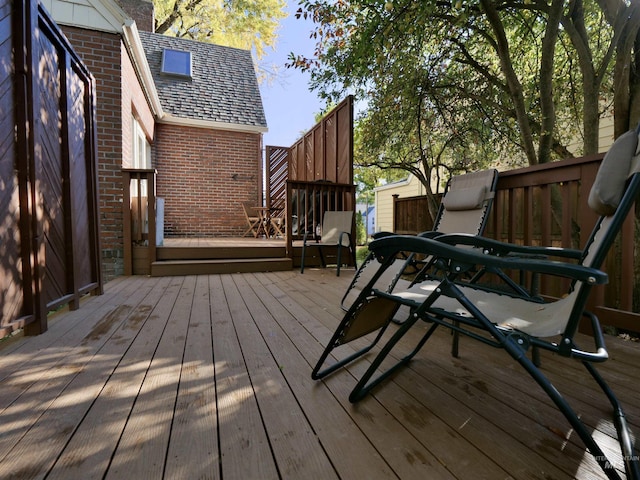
column 209, row 377
column 193, row 447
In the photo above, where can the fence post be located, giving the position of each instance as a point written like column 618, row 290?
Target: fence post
column 393, row 216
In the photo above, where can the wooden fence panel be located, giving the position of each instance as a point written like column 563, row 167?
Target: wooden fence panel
column 12, row 264
column 344, row 142
column 277, row 170
column 326, row 151
column 51, row 200
column 411, row 215
column 48, row 170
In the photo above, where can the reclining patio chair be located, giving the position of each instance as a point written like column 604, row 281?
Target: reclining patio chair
column 464, row 208
column 513, row 323
column 336, row 232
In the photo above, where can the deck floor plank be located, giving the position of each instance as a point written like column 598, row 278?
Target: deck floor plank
column 209, row 377
column 143, row 446
column 193, row 447
column 89, row 452
column 244, row 443
column 291, row 436
column 52, row 405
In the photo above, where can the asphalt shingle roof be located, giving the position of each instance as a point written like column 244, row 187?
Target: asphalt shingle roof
column 223, row 87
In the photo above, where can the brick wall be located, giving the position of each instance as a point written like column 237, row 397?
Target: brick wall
column 134, row 104
column 101, row 54
column 141, row 11
column 204, row 175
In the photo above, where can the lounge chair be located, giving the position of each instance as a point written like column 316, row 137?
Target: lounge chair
column 513, row 323
column 336, row 233
column 252, row 218
column 464, row 208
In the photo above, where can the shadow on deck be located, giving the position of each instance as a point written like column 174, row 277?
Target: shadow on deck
column 209, row 377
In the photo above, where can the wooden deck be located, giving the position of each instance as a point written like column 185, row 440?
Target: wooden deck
column 199, row 377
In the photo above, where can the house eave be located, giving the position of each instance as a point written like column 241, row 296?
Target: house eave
column 399, row 183
column 194, row 122
column 134, row 47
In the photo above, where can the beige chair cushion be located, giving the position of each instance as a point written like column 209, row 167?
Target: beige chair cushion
column 612, row 175
column 465, row 198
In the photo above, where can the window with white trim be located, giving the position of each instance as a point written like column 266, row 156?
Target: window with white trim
column 141, row 154
column 140, row 157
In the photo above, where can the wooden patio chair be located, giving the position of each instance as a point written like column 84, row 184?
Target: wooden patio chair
column 252, row 218
column 277, row 226
column 510, row 322
column 277, row 219
column 336, row 233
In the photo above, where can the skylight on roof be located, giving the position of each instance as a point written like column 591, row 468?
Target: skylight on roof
column 176, row 62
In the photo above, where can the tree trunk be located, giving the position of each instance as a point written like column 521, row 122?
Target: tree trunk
column 547, row 105
column 514, row 85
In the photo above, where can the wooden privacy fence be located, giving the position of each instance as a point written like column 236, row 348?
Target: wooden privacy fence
column 314, row 175
column 411, row 214
column 277, row 174
column 325, row 153
column 547, row 205
column 48, row 204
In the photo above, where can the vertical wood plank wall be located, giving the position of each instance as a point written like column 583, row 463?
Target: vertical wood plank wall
column 315, row 173
column 50, row 244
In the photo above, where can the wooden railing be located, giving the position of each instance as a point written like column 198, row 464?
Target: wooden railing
column 139, row 186
column 307, row 202
column 547, row 205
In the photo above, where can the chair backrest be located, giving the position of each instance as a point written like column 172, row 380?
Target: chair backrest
column 464, row 208
column 249, row 210
column 612, row 195
column 334, row 223
column 467, row 202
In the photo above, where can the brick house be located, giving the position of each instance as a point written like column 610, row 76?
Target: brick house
column 210, row 135
column 203, row 133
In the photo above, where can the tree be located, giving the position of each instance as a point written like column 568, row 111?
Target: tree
column 247, row 24
column 478, row 72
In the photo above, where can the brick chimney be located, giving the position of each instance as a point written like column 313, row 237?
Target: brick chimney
column 141, row 11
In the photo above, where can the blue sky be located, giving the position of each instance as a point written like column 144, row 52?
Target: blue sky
column 288, row 105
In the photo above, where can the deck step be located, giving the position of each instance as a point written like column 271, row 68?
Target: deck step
column 219, row 253
column 217, row 266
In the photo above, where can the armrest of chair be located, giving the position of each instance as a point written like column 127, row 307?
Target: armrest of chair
column 495, row 247
column 381, row 234
column 348, row 234
column 455, row 259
